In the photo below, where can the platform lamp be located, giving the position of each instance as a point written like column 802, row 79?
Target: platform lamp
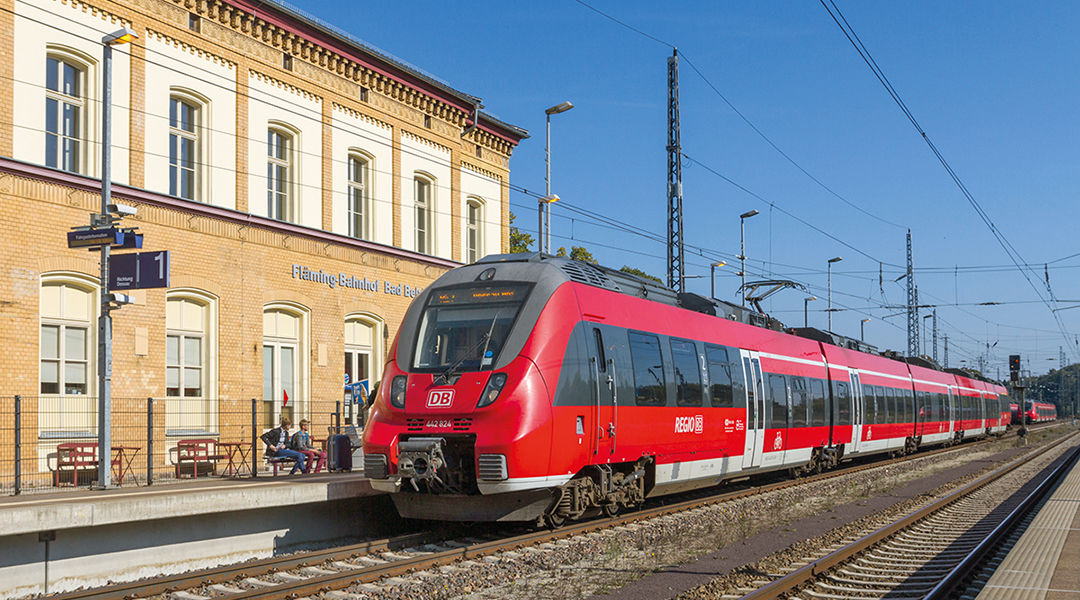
column 121, row 36
column 805, row 311
column 712, row 277
column 862, row 330
column 742, row 251
column 831, row 261
column 544, row 244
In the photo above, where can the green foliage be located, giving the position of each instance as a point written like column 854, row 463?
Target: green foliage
column 519, row 240
column 578, row 253
column 640, row 273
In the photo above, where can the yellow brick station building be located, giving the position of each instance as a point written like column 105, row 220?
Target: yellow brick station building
column 306, row 185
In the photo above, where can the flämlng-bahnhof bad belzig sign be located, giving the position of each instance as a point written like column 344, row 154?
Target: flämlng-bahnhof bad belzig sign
column 336, row 280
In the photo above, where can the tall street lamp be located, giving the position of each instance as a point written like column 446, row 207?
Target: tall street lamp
column 805, row 311
column 544, row 242
column 831, row 261
column 712, row 277
column 742, row 250
column 862, row 329
column 121, row 36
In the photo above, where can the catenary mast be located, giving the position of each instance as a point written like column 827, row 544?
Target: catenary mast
column 675, row 270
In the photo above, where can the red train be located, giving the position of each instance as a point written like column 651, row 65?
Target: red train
column 531, row 388
column 1036, row 412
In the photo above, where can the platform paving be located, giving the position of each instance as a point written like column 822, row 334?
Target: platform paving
column 88, row 508
column 1045, row 562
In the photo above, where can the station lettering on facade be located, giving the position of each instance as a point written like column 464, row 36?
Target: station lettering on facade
column 334, row 280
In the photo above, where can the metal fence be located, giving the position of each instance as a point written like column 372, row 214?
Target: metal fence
column 48, row 443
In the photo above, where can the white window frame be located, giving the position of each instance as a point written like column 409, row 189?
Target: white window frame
column 65, row 414
column 358, row 195
column 281, row 191
column 474, row 228
column 78, row 102
column 297, row 407
column 373, row 352
column 424, row 213
column 191, row 415
column 197, row 138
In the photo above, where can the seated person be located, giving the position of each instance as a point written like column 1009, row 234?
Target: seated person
column 301, row 442
column 277, row 445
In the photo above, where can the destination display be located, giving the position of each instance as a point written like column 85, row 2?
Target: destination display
column 482, row 295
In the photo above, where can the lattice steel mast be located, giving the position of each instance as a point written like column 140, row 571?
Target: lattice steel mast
column 913, row 305
column 675, row 269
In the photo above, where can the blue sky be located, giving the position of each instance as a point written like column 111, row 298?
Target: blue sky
column 993, row 84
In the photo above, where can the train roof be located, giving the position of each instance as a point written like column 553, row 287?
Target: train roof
column 648, row 289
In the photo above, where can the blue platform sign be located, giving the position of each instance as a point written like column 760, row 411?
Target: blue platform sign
column 139, row 271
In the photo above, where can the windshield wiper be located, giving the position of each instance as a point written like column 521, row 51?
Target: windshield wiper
column 484, row 339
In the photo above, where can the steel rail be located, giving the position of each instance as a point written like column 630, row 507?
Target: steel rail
column 947, row 586
column 324, row 583
column 230, row 573
column 822, row 565
column 173, row 583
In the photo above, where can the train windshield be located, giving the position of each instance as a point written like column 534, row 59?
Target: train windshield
column 464, row 329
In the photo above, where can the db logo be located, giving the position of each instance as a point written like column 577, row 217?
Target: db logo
column 440, row 398
column 695, row 424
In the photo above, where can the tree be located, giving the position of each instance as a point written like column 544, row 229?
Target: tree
column 519, row 240
column 578, row 253
column 640, row 273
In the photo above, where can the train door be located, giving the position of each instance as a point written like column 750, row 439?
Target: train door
column 755, row 410
column 954, row 410
column 856, row 412
column 605, row 410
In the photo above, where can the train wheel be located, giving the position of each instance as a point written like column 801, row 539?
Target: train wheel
column 611, row 510
column 555, row 521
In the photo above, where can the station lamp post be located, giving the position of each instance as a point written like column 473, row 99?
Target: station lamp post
column 712, row 277
column 742, row 251
column 862, row 329
column 805, row 311
column 831, row 261
column 544, row 243
column 121, row 36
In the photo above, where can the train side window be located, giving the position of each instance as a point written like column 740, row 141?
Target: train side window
column 598, row 339
column 799, row 404
column 687, row 373
column 650, row 388
column 779, row 401
column 817, row 402
column 869, row 405
column 843, row 396
column 890, row 405
column 909, row 406
column 720, row 379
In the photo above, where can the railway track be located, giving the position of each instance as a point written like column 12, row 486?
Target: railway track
column 928, row 553
column 325, row 573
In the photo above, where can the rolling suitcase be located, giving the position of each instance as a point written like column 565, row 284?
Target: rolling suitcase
column 338, row 453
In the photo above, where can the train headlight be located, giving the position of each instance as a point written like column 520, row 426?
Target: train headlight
column 493, row 389
column 397, row 391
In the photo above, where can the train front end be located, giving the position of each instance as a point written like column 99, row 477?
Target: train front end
column 461, row 428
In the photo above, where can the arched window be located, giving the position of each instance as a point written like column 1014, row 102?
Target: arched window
column 283, row 337
column 66, row 376
column 186, row 146
column 424, row 219
column 280, row 173
column 362, row 357
column 189, row 348
column 65, row 112
column 474, row 230
column 359, row 192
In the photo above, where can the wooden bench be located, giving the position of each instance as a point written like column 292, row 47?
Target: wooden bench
column 277, row 461
column 75, row 456
column 195, row 452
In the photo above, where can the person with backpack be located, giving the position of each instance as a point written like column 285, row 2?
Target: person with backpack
column 301, row 442
column 277, row 445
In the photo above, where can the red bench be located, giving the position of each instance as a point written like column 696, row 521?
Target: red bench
column 195, row 452
column 75, row 456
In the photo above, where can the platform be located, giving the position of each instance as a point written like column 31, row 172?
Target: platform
column 61, row 541
column 1045, row 562
column 210, row 495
